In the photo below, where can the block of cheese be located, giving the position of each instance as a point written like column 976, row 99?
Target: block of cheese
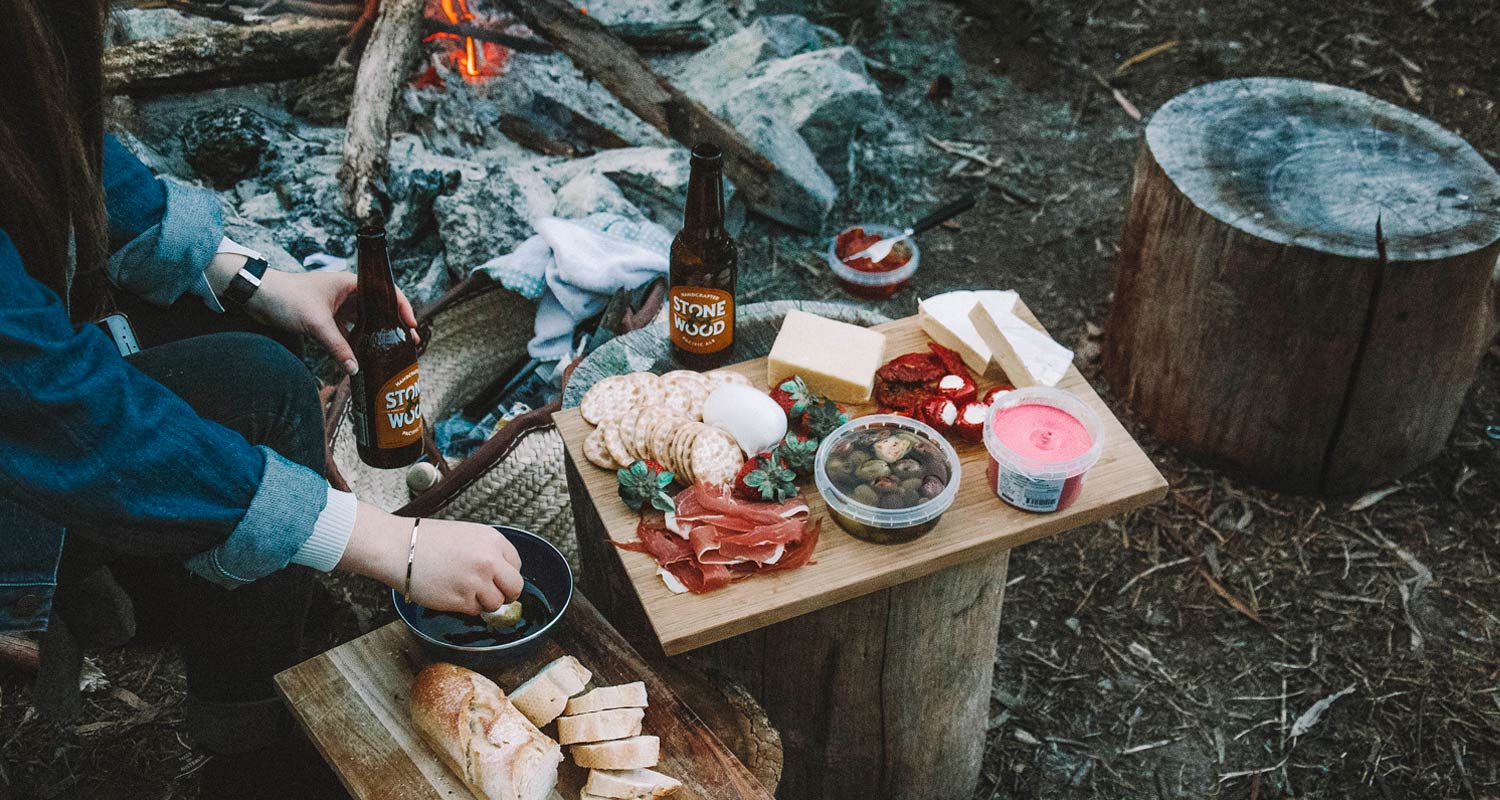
column 1028, row 356
column 836, row 359
column 945, row 319
column 600, row 726
column 629, row 695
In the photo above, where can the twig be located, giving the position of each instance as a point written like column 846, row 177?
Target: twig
column 1131, row 582
column 1145, row 54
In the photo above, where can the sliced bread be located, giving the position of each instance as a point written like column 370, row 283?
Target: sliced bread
column 629, row 784
column 636, row 752
column 545, row 696
column 629, row 695
column 600, row 726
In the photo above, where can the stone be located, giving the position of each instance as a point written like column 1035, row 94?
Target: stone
column 775, row 139
column 707, row 74
column 592, row 193
column 424, row 287
column 258, row 237
column 556, row 78
column 230, row 143
column 826, row 96
column 264, row 207
column 486, row 217
column 653, row 179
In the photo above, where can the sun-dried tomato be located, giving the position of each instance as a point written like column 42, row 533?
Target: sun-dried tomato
column 952, row 362
column 898, row 395
column 912, row 368
column 852, row 241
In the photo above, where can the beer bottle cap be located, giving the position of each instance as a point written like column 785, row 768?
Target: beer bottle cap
column 374, row 225
column 708, row 153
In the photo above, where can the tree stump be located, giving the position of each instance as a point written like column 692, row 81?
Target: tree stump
column 1306, row 284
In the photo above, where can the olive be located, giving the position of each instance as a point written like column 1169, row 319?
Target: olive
column 908, row 468
column 891, row 501
column 910, row 498
column 932, row 487
column 913, row 485
column 887, row 484
column 841, row 449
column 858, row 457
column 872, row 469
column 837, row 467
column 865, row 494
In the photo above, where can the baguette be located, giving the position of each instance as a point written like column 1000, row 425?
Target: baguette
column 630, row 695
column 637, row 752
column 543, row 698
column 481, row 736
column 600, row 726
column 630, row 784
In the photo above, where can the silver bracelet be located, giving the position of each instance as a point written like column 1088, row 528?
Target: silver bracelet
column 411, row 556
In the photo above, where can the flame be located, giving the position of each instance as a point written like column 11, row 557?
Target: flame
column 457, row 14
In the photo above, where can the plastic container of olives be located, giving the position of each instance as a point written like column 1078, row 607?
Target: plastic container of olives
column 886, row 479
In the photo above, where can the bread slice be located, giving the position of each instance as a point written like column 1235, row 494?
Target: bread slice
column 545, row 696
column 600, row 726
column 636, row 752
column 629, row 784
column 481, row 736
column 629, row 695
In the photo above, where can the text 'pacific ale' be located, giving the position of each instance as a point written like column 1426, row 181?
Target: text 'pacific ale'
column 387, row 407
column 704, row 268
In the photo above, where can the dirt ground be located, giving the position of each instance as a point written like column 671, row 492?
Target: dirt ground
column 1179, row 651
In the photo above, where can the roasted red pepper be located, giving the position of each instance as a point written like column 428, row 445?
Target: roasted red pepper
column 970, row 423
column 941, row 413
column 958, row 387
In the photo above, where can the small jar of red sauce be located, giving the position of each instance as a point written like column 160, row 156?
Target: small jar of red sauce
column 872, row 280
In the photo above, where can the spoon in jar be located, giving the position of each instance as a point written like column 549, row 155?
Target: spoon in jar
column 879, row 250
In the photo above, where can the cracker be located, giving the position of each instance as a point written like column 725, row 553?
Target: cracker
column 680, row 398
column 681, row 445
column 649, row 416
column 609, row 397
column 626, row 424
column 614, row 443
column 715, row 457
column 727, row 376
column 597, row 452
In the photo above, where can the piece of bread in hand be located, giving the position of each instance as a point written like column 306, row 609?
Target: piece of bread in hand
column 629, row 784
column 600, row 726
column 637, row 752
column 629, row 695
column 543, row 698
column 481, row 736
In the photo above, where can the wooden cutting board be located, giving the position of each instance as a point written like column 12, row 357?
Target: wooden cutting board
column 352, row 701
column 977, row 525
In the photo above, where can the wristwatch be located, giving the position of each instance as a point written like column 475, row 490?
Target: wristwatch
column 245, row 282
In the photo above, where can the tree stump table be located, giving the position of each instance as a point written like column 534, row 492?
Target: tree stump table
column 874, row 662
column 1306, row 282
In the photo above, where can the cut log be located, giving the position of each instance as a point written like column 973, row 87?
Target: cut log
column 1306, row 283
column 280, row 49
column 604, row 57
column 383, row 68
column 19, row 652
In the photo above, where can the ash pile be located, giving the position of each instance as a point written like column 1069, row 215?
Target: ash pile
column 494, row 126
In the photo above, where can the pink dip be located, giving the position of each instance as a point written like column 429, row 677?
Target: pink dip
column 1039, row 433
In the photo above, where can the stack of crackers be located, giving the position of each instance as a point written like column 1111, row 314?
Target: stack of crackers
column 659, row 418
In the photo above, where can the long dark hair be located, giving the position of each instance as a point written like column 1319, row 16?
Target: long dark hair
column 51, row 141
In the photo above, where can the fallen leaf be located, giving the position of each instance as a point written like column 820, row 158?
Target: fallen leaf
column 1314, row 714
column 1369, row 500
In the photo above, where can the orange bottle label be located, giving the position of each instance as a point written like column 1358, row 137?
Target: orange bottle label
column 396, row 418
column 702, row 319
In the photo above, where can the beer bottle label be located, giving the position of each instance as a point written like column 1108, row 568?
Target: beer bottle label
column 395, row 420
column 702, row 319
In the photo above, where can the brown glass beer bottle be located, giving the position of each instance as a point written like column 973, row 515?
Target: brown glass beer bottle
column 387, row 406
column 703, row 270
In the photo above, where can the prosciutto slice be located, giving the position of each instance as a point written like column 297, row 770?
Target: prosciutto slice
column 715, row 539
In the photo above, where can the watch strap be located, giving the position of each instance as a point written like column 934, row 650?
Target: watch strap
column 246, row 282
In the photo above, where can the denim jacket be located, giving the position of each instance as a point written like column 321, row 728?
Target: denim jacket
column 87, row 440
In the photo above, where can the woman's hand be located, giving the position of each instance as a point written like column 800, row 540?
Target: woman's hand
column 458, row 566
column 308, row 302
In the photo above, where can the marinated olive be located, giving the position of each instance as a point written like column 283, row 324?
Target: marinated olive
column 931, row 486
column 866, row 494
column 908, row 468
column 873, row 469
column 913, row 485
column 887, row 484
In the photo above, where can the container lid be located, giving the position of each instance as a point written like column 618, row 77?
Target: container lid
column 887, row 517
column 1040, row 469
column 860, row 277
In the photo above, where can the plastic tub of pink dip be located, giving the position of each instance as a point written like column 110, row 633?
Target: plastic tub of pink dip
column 1041, row 441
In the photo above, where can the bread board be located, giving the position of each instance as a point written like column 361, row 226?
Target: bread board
column 352, row 702
column 979, row 524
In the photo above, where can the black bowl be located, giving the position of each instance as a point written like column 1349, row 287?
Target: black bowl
column 544, row 567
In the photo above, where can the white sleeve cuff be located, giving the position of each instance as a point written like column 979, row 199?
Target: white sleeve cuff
column 330, row 535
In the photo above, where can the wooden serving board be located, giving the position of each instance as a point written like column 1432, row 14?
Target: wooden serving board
column 977, row 525
column 352, row 701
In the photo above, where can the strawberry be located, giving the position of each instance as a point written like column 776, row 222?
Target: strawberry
column 793, row 396
column 765, row 478
column 799, row 452
column 646, row 482
column 821, row 418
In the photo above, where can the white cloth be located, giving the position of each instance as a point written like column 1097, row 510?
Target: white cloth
column 573, row 267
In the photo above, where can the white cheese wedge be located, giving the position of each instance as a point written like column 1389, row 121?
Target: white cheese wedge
column 1028, row 356
column 945, row 319
column 835, row 359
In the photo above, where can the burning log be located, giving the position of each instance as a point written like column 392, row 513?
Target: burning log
column 604, row 57
column 280, row 49
column 382, row 71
